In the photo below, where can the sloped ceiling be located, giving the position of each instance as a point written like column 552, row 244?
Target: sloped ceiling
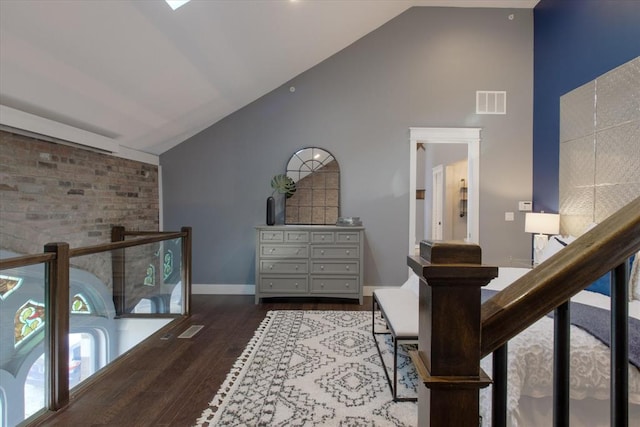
column 135, row 75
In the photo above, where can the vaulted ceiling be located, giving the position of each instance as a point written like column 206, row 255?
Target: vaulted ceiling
column 134, row 74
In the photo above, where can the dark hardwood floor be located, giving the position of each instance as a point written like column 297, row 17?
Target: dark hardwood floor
column 169, row 382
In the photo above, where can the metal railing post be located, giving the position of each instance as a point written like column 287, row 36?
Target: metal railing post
column 619, row 376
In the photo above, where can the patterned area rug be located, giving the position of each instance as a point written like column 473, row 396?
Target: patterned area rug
column 314, row 368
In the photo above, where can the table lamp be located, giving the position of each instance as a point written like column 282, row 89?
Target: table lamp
column 541, row 225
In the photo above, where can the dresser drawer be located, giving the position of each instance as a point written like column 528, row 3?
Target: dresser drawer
column 322, row 237
column 347, row 237
column 335, row 252
column 271, row 236
column 296, row 236
column 277, row 284
column 308, row 261
column 284, row 251
column 335, row 285
column 284, row 266
column 335, row 267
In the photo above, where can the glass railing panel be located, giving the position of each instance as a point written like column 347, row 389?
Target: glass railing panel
column 91, row 316
column 152, row 280
column 103, row 323
column 23, row 367
column 117, row 299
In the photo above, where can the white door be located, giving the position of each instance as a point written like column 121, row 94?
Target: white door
column 437, row 215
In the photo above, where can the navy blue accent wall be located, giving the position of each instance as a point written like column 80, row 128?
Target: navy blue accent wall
column 575, row 41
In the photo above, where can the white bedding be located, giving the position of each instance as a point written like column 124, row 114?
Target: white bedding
column 530, row 363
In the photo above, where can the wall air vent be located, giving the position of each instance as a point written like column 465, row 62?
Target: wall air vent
column 491, row 102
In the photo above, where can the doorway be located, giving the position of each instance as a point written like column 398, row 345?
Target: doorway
column 468, row 136
column 437, row 204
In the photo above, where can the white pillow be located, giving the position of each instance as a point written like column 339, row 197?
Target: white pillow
column 554, row 245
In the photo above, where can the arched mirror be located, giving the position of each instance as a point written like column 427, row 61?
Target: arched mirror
column 317, row 198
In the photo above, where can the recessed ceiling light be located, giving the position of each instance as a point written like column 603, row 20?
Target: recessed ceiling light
column 174, row 4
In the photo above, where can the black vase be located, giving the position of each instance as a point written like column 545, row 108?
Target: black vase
column 271, row 211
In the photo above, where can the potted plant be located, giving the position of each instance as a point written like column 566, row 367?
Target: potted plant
column 281, row 184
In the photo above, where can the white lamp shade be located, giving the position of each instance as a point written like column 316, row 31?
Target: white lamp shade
column 542, row 223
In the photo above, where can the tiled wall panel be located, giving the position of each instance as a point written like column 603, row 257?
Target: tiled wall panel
column 577, row 111
column 599, row 148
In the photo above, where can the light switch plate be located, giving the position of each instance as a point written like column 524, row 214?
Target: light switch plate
column 525, row 206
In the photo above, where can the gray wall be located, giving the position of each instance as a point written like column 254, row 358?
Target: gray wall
column 420, row 69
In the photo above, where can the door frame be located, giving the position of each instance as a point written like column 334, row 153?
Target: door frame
column 437, row 201
column 469, row 136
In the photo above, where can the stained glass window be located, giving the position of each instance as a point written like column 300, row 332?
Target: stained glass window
column 167, row 264
column 8, row 284
column 80, row 305
column 29, row 319
column 150, row 278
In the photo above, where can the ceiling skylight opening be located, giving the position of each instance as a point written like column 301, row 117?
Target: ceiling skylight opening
column 174, row 4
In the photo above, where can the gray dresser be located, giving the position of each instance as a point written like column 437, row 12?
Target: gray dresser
column 309, row 261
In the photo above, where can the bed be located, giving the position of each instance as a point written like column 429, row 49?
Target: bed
column 530, row 366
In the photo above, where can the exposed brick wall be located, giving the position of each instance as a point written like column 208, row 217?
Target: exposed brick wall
column 52, row 192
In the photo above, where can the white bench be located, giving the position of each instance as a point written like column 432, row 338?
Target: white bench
column 399, row 309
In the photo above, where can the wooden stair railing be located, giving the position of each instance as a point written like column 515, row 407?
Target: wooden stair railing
column 556, row 280
column 448, row 360
column 456, row 331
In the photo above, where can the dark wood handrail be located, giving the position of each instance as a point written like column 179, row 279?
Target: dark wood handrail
column 553, row 282
column 25, row 260
column 145, row 233
column 104, row 247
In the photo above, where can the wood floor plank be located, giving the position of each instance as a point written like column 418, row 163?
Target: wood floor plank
column 170, row 382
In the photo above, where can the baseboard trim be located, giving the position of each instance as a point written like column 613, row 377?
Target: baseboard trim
column 216, row 289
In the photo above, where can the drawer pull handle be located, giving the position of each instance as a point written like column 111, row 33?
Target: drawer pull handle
column 298, row 252
column 322, row 267
column 322, row 285
column 271, row 284
column 297, row 267
column 296, row 285
column 347, row 267
column 271, row 267
column 348, row 252
column 322, row 252
column 348, row 237
column 322, row 237
column 346, row 285
column 272, row 250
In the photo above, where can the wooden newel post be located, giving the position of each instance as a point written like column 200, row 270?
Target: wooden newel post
column 57, row 325
column 448, row 356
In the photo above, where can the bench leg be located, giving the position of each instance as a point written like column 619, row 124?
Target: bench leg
column 395, row 370
column 393, row 384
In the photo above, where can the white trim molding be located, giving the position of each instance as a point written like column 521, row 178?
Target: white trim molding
column 63, row 133
column 214, row 289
